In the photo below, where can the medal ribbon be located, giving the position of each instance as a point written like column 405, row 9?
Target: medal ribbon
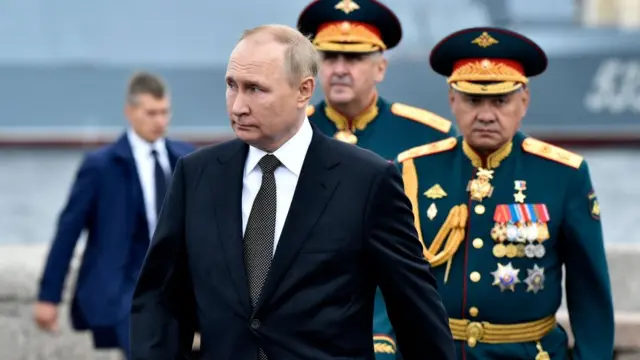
column 524, row 210
column 501, row 215
column 542, row 212
column 531, row 211
column 515, row 213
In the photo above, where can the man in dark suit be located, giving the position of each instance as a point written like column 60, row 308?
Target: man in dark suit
column 116, row 196
column 272, row 245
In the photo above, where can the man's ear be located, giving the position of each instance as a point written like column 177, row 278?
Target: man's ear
column 451, row 96
column 526, row 98
column 128, row 111
column 381, row 68
column 305, row 91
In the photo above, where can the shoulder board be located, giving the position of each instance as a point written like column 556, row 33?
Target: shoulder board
column 552, row 152
column 310, row 110
column 428, row 149
column 422, row 116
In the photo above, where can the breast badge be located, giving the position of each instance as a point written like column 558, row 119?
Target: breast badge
column 535, row 279
column 506, row 277
column 434, row 192
column 480, row 187
column 520, row 186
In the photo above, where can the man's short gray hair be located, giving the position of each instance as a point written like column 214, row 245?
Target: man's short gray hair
column 300, row 57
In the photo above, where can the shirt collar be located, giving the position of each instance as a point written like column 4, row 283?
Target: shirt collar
column 291, row 154
column 142, row 146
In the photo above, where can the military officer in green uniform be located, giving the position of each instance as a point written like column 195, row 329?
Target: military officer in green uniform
column 352, row 36
column 505, row 212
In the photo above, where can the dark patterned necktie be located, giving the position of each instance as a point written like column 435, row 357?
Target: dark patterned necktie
column 160, row 180
column 260, row 232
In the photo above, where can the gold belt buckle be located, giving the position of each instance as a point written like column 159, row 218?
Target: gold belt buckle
column 475, row 333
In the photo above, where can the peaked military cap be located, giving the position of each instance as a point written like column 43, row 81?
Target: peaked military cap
column 487, row 60
column 352, row 26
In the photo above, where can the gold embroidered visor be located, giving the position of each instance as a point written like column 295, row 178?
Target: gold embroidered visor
column 487, row 76
column 348, row 36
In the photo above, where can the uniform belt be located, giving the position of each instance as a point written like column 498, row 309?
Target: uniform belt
column 484, row 332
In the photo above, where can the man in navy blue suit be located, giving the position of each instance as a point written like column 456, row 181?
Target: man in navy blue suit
column 116, row 197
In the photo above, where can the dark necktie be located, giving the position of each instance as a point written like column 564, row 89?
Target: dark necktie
column 160, row 181
column 260, row 232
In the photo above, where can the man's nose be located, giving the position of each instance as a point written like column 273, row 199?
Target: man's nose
column 486, row 113
column 163, row 119
column 240, row 106
column 340, row 67
column 486, row 116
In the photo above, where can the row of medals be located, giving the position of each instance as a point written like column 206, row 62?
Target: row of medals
column 519, row 240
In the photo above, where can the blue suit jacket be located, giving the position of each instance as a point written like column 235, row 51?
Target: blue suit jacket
column 106, row 200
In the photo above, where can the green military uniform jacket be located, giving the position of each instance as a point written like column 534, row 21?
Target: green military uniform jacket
column 533, row 211
column 386, row 129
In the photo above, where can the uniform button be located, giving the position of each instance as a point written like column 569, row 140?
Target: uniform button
column 477, row 243
column 255, row 324
column 479, row 209
column 475, row 276
column 473, row 311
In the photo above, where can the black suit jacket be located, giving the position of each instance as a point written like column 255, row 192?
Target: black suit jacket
column 350, row 228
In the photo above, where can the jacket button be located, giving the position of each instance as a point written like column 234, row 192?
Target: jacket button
column 255, row 324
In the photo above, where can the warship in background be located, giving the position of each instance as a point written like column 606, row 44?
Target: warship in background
column 62, row 81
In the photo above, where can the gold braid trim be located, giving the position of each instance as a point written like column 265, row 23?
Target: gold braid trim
column 452, row 229
column 382, row 348
column 492, row 161
column 486, row 88
column 410, row 178
column 384, row 344
column 484, row 332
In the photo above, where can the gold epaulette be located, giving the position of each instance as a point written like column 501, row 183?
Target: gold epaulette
column 552, row 152
column 428, row 149
column 422, row 116
column 310, row 110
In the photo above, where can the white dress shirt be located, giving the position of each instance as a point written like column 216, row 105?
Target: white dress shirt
column 145, row 164
column 291, row 155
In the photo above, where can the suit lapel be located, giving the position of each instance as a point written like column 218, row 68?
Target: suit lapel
column 175, row 151
column 313, row 191
column 135, row 201
column 226, row 192
column 173, row 154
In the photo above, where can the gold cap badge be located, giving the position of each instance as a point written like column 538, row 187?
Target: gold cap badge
column 347, row 6
column 485, row 40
